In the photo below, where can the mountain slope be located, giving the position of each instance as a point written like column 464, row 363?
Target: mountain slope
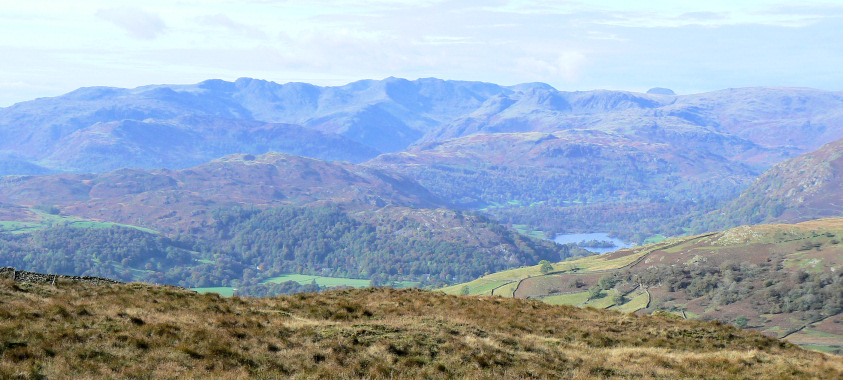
column 192, row 140
column 785, row 280
column 176, row 199
column 535, row 177
column 279, row 213
column 80, row 331
column 383, row 115
column 734, row 123
column 806, row 187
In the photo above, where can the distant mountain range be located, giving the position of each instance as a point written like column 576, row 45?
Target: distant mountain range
column 79, row 130
column 607, row 158
column 635, row 165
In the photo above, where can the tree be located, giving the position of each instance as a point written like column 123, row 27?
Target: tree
column 546, row 267
column 594, row 292
column 606, row 282
column 465, row 290
column 740, row 321
column 618, row 299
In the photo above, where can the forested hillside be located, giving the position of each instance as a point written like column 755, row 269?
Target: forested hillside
column 242, row 221
column 574, row 181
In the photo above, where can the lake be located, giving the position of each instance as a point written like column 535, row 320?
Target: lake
column 599, row 236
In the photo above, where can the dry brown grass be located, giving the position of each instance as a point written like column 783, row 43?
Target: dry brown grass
column 141, row 331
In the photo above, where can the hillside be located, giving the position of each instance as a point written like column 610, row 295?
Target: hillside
column 559, row 181
column 175, row 200
column 191, row 140
column 246, row 221
column 806, row 187
column 102, row 331
column 784, row 280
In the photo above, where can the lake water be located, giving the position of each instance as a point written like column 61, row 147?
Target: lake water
column 599, row 236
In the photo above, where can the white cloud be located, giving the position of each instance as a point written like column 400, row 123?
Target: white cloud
column 566, row 66
column 136, row 22
column 220, row 20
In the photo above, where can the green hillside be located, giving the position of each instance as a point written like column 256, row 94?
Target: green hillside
column 784, row 280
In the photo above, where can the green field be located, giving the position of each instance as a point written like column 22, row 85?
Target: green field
column 46, row 220
column 636, row 301
column 524, row 229
column 821, row 348
column 506, row 290
column 655, row 239
column 305, row 279
column 225, row 291
column 19, row 227
column 483, row 288
column 566, row 299
column 604, row 301
column 328, row 282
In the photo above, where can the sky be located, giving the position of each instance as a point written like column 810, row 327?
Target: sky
column 50, row 47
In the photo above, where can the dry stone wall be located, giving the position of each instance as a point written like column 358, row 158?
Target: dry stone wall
column 41, row 278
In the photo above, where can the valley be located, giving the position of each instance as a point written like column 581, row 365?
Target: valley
column 262, row 189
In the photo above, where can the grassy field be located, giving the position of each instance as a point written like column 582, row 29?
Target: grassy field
column 46, row 220
column 604, row 301
column 19, row 227
column 321, row 281
column 476, row 287
column 582, row 265
column 566, row 299
column 225, row 291
column 328, row 282
column 143, row 331
column 526, row 230
column 506, row 290
column 635, row 301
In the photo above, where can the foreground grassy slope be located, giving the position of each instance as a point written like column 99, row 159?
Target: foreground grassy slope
column 140, row 331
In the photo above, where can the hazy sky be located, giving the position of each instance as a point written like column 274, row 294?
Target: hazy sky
column 49, row 47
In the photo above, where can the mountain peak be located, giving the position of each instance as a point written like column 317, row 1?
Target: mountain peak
column 660, row 91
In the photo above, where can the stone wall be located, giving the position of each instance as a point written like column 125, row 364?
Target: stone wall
column 41, row 278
